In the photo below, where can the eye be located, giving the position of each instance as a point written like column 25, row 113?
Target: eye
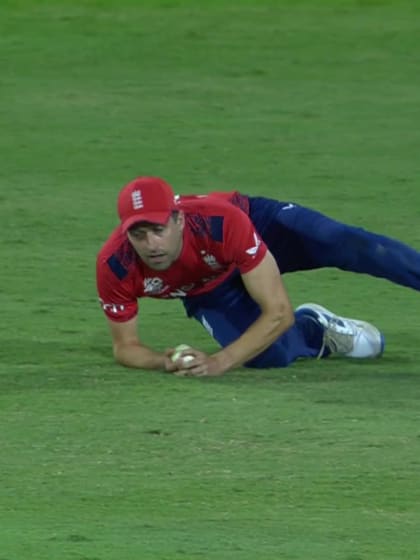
column 137, row 234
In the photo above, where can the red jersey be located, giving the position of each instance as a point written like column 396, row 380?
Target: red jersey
column 218, row 238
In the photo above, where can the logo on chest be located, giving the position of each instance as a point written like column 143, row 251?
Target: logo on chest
column 157, row 287
column 154, row 286
column 210, row 260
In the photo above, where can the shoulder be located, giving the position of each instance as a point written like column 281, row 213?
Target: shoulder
column 216, row 201
column 214, row 219
column 116, row 256
column 221, row 205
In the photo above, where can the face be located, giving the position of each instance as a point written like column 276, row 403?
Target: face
column 158, row 245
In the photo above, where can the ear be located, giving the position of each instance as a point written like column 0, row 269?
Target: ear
column 181, row 220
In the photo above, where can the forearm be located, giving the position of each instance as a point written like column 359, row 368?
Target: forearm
column 259, row 336
column 138, row 356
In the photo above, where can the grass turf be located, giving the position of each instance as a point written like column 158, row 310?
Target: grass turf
column 315, row 102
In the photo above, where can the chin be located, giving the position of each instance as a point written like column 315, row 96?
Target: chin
column 159, row 266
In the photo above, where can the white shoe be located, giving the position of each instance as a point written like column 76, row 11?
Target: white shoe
column 344, row 336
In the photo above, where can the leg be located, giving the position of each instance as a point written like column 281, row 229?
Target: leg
column 225, row 323
column 228, row 311
column 302, row 239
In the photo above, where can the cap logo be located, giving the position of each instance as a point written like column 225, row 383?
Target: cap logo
column 137, row 200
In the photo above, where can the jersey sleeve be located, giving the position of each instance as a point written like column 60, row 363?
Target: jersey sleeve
column 117, row 300
column 243, row 245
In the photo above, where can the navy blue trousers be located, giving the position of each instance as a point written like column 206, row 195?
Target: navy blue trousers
column 300, row 239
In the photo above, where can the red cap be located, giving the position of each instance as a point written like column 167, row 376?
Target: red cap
column 146, row 199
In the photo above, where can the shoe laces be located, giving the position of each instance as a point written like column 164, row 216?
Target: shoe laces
column 338, row 337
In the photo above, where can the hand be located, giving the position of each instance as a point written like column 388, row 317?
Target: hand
column 170, row 366
column 202, row 365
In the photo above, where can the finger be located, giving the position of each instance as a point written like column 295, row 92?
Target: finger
column 181, row 365
column 197, row 371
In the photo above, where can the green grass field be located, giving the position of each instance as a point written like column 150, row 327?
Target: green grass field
column 313, row 101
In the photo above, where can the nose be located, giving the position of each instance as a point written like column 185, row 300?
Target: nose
column 152, row 240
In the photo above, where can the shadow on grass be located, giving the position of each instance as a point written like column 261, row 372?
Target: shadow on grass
column 89, row 363
column 331, row 369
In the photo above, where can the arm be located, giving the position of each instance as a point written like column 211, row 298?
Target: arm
column 129, row 352
column 118, row 300
column 264, row 284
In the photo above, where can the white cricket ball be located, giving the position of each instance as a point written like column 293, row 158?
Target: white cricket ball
column 178, row 351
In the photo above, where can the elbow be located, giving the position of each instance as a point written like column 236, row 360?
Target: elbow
column 284, row 318
column 119, row 359
column 120, row 355
column 289, row 318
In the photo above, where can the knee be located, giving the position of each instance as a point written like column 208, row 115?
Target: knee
column 348, row 245
column 275, row 356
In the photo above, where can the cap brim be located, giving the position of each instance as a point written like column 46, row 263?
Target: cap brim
column 160, row 218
